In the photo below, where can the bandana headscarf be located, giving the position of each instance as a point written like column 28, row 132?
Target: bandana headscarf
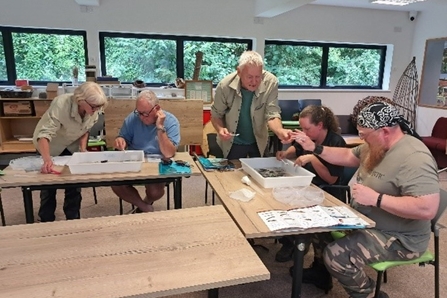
column 381, row 114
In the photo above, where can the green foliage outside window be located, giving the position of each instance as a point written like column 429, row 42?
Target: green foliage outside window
column 3, row 74
column 444, row 62
column 353, row 67
column 294, row 65
column 301, row 65
column 219, row 59
column 48, row 57
column 155, row 60
column 150, row 60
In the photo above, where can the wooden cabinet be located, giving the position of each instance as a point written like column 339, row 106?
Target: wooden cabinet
column 16, row 129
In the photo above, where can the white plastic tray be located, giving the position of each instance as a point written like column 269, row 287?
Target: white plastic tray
column 298, row 175
column 106, row 162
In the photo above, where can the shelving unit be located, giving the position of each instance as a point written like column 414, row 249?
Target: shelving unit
column 12, row 126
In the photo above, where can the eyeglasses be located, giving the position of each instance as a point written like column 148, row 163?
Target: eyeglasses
column 144, row 114
column 363, row 135
column 94, row 108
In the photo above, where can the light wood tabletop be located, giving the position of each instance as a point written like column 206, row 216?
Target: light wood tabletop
column 157, row 254
column 246, row 215
column 352, row 140
column 149, row 173
column 20, row 178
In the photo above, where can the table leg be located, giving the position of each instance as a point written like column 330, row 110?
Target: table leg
column 298, row 262
column 213, row 293
column 178, row 193
column 28, row 203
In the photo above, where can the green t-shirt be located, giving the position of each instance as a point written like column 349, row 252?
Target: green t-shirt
column 408, row 169
column 245, row 124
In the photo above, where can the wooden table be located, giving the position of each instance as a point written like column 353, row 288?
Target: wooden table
column 245, row 214
column 156, row 254
column 352, row 140
column 149, row 173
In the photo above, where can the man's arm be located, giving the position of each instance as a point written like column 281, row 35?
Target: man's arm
column 167, row 148
column 168, row 134
column 422, row 207
column 218, row 109
column 334, row 155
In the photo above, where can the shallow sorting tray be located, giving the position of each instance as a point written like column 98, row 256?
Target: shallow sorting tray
column 106, row 162
column 297, row 176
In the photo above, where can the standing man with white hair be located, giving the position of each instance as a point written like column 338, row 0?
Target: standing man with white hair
column 153, row 130
column 245, row 106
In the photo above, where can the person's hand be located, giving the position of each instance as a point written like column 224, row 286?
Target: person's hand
column 120, row 144
column 224, row 134
column 304, row 159
column 302, row 139
column 161, row 116
column 47, row 167
column 364, row 195
column 285, row 136
column 280, row 155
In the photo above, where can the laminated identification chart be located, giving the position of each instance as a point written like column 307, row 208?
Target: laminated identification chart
column 311, row 217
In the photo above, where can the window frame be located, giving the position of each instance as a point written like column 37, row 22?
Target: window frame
column 324, row 62
column 179, row 39
column 11, row 71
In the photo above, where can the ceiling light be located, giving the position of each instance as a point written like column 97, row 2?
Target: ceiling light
column 395, row 2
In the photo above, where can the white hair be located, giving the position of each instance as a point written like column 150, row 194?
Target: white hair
column 250, row 58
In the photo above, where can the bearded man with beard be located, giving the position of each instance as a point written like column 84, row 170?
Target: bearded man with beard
column 396, row 186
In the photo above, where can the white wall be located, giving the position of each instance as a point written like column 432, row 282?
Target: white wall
column 229, row 18
column 430, row 24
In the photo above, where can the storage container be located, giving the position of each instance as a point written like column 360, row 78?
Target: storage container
column 106, row 162
column 52, row 90
column 22, row 107
column 295, row 175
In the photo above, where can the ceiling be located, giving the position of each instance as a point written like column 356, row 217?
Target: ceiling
column 272, row 8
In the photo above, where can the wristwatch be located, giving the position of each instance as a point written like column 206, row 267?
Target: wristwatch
column 318, row 149
column 162, row 129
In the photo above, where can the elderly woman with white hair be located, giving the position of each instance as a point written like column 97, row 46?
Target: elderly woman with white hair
column 63, row 130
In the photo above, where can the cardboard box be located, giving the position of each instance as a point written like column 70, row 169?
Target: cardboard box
column 22, row 107
column 52, row 89
column 41, row 106
column 295, row 176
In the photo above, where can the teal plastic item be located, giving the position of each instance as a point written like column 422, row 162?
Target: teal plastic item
column 173, row 168
column 215, row 163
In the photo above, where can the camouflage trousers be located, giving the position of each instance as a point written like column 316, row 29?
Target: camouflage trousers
column 345, row 258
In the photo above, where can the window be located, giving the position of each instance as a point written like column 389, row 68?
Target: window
column 42, row 55
column 3, row 74
column 160, row 59
column 319, row 65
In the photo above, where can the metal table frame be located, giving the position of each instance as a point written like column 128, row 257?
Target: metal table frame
column 28, row 198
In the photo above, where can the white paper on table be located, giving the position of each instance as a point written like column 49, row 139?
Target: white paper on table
column 153, row 157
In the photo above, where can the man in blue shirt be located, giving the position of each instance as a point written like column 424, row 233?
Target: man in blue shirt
column 154, row 131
